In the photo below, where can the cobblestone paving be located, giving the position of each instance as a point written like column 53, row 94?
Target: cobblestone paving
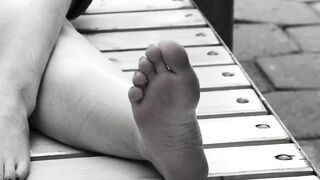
column 278, row 44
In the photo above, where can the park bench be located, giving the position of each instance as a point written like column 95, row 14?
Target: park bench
column 243, row 137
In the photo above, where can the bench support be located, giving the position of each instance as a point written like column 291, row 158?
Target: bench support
column 220, row 15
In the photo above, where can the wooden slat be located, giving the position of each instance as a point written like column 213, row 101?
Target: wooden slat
column 43, row 147
column 230, row 163
column 93, row 168
column 199, row 56
column 215, row 133
column 250, row 130
column 139, row 20
column 107, row 6
column 141, row 39
column 218, row 77
column 221, row 77
column 225, row 103
column 256, row 162
column 293, row 178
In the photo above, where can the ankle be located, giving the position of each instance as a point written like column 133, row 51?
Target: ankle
column 17, row 95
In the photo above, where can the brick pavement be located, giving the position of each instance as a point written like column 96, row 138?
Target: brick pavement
column 278, row 44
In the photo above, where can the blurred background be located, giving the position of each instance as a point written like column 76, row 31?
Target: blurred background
column 278, row 44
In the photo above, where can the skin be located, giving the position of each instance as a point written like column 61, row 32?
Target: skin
column 28, row 32
column 164, row 110
column 96, row 113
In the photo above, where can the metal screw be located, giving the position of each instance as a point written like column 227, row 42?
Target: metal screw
column 201, row 34
column 263, row 126
column 212, row 53
column 242, row 100
column 113, row 59
column 189, row 15
column 228, row 74
column 284, row 157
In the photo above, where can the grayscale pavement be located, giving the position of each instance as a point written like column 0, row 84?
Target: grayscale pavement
column 278, row 43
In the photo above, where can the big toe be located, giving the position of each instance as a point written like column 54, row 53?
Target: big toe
column 175, row 56
column 154, row 55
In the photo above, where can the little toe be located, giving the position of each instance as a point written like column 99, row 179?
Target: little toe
column 22, row 170
column 175, row 56
column 135, row 94
column 1, row 170
column 139, row 79
column 9, row 171
column 146, row 67
column 154, row 55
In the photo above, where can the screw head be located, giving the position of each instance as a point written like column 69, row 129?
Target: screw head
column 189, row 15
column 212, row 53
column 243, row 100
column 284, row 157
column 228, row 74
column 201, row 34
column 263, row 126
column 113, row 59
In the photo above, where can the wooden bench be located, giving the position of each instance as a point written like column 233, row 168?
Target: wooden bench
column 243, row 137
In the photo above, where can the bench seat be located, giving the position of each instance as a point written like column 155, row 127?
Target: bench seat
column 243, row 137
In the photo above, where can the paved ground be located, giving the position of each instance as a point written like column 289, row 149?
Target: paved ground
column 278, row 43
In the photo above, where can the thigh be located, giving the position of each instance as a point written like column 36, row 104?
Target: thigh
column 83, row 99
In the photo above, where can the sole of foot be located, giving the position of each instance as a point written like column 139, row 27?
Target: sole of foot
column 164, row 98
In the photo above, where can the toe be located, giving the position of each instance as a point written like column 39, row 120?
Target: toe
column 154, row 55
column 22, row 170
column 139, row 79
column 9, row 171
column 146, row 67
column 135, row 94
column 175, row 56
column 1, row 170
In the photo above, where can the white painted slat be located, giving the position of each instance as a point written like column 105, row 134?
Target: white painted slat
column 256, row 161
column 141, row 39
column 199, row 56
column 139, row 20
column 221, row 77
column 43, row 147
column 107, row 6
column 92, row 168
column 292, row 178
column 225, row 103
column 215, row 133
column 230, row 163
column 218, row 77
column 236, row 131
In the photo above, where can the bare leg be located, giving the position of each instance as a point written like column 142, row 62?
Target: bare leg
column 28, row 32
column 83, row 102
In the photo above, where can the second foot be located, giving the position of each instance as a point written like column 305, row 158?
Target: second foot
column 164, row 99
column 14, row 148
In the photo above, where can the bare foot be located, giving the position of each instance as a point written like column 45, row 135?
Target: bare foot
column 14, row 145
column 164, row 100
